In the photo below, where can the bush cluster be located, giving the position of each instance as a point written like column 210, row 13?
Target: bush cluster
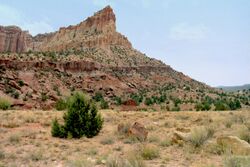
column 81, row 119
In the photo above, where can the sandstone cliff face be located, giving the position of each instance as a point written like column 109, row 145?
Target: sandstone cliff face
column 95, row 32
column 13, row 39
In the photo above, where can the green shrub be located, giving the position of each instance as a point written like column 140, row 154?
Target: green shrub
column 165, row 142
column 81, row 119
column 198, row 136
column 98, row 96
column 149, row 101
column 15, row 94
column 20, row 83
column 149, row 152
column 221, row 106
column 61, row 104
column 177, row 108
column 203, row 106
column 4, row 104
column 245, row 135
column 132, row 160
column 237, row 161
column 44, row 97
column 57, row 130
column 104, row 104
column 118, row 101
column 137, row 98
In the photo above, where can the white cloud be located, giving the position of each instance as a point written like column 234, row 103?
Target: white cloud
column 184, row 31
column 11, row 16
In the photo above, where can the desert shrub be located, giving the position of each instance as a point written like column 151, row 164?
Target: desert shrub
column 4, row 104
column 9, row 90
column 107, row 141
column 118, row 101
column 115, row 161
column 61, row 104
column 104, row 104
column 202, row 106
column 98, row 96
column 15, row 94
column 228, row 123
column 149, row 101
column 138, row 98
column 198, row 136
column 149, row 152
column 176, row 101
column 81, row 119
column 237, row 161
column 58, row 130
column 165, row 142
column 153, row 139
column 131, row 140
column 36, row 156
column 20, row 83
column 132, row 160
column 44, row 97
column 245, row 135
column 15, row 138
column 221, row 106
column 176, row 108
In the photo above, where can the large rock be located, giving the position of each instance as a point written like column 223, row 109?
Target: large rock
column 138, row 131
column 234, row 145
column 180, row 136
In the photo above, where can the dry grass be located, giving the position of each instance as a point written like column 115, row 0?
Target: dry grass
column 25, row 140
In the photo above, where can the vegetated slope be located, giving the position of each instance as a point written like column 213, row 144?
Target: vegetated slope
column 92, row 57
column 235, row 88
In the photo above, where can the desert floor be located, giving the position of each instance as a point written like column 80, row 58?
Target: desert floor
column 25, row 139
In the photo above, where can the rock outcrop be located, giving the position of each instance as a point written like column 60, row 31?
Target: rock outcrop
column 234, row 145
column 95, row 32
column 13, row 39
column 138, row 131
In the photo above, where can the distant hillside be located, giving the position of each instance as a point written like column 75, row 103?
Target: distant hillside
column 234, row 88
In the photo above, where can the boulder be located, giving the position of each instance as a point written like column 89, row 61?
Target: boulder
column 234, row 145
column 177, row 136
column 138, row 131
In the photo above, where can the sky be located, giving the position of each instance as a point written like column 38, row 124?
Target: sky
column 208, row 40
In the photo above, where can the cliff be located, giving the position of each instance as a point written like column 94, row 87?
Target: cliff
column 13, row 39
column 95, row 32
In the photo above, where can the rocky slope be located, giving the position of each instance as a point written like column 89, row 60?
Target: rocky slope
column 91, row 57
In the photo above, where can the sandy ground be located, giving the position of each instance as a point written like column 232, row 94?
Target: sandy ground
column 25, row 139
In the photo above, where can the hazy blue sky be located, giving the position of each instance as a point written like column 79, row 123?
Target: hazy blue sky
column 209, row 40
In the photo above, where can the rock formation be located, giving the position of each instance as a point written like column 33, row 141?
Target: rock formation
column 13, row 39
column 91, row 57
column 234, row 145
column 96, row 31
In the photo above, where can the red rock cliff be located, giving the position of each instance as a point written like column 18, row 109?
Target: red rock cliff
column 96, row 31
column 13, row 39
